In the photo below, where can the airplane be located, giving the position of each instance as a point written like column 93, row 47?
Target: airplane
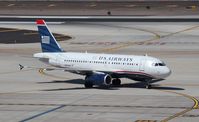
column 99, row 69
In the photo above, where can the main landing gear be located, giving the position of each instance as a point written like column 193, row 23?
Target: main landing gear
column 116, row 82
column 148, row 85
column 89, row 84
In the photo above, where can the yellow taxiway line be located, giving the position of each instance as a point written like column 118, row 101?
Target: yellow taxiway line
column 195, row 106
column 11, row 30
column 176, row 115
column 156, row 38
column 33, row 33
column 41, row 71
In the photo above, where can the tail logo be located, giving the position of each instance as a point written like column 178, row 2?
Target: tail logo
column 45, row 39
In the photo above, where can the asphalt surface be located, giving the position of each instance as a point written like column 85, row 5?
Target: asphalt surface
column 35, row 94
column 38, row 95
column 138, row 8
column 68, row 19
column 20, row 36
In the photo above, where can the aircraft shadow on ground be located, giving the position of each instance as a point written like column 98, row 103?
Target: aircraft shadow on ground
column 154, row 86
column 74, row 81
column 124, row 85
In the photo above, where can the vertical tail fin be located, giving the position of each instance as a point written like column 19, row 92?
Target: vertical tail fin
column 48, row 41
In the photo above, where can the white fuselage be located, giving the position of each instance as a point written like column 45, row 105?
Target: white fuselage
column 121, row 64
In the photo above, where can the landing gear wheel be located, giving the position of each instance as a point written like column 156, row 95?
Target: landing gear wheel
column 148, row 86
column 116, row 82
column 88, row 84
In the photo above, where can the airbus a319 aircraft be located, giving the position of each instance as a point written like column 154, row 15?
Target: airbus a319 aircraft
column 100, row 69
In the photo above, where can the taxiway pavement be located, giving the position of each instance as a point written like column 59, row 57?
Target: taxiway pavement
column 39, row 95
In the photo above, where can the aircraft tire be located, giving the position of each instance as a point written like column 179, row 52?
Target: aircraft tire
column 88, row 84
column 116, row 82
column 148, row 86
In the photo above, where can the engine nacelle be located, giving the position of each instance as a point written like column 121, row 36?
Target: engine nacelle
column 100, row 79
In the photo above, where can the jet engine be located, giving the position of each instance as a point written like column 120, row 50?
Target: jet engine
column 99, row 79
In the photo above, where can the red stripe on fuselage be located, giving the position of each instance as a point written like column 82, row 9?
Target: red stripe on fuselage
column 135, row 73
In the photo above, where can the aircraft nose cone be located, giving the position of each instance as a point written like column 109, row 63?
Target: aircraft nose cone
column 167, row 72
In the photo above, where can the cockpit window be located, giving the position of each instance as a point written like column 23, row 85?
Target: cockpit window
column 159, row 64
